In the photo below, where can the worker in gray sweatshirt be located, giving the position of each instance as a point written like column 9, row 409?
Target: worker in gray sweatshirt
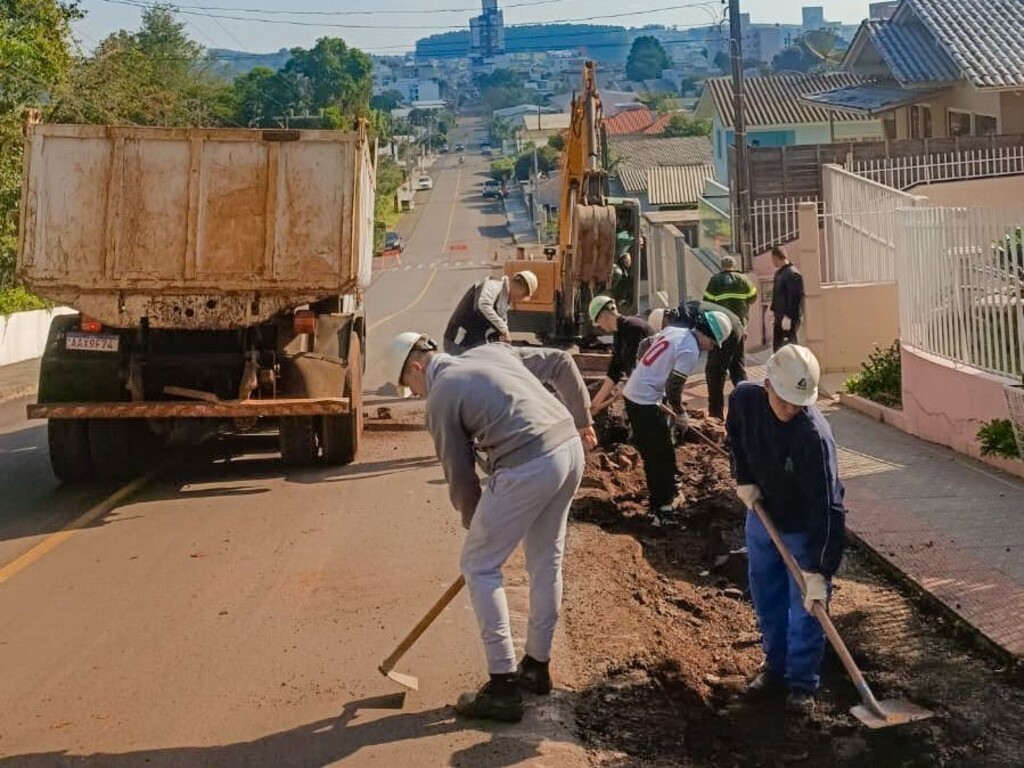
column 489, row 407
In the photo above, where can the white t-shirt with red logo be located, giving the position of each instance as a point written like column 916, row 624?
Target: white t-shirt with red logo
column 674, row 350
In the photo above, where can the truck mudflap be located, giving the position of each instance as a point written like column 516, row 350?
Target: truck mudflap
column 179, row 409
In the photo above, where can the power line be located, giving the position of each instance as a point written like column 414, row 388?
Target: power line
column 270, row 11
column 448, row 28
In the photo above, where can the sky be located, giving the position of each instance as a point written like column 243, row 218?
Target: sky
column 391, row 26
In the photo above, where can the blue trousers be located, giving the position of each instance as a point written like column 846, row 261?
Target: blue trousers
column 793, row 640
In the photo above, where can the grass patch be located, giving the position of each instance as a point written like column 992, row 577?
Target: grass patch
column 17, row 299
column 997, row 439
column 881, row 378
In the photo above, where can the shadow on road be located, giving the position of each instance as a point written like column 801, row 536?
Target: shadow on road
column 322, row 742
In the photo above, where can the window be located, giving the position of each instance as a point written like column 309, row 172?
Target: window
column 920, row 122
column 889, row 127
column 959, row 123
column 985, row 125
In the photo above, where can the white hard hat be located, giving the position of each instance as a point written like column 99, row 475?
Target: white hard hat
column 599, row 304
column 794, row 372
column 397, row 354
column 530, row 279
column 657, row 319
column 717, row 325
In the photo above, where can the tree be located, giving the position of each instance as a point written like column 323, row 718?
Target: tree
column 722, row 61
column 336, row 76
column 547, row 161
column 660, row 102
column 502, row 88
column 813, row 52
column 35, row 62
column 386, row 101
column 646, row 59
column 503, row 168
column 681, row 125
column 557, row 142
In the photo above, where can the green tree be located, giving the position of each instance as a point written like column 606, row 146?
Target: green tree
column 681, row 125
column 647, row 58
column 503, row 169
column 660, row 102
column 557, row 142
column 502, row 88
column 547, row 161
column 35, row 62
column 261, row 96
column 389, row 179
column 386, row 101
column 813, row 52
column 335, row 76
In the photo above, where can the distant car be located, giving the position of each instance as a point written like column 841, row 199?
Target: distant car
column 444, row 149
column 394, row 242
column 486, row 150
column 492, row 189
column 424, row 182
column 460, row 148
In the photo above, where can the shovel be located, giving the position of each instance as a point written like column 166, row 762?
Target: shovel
column 872, row 712
column 387, row 666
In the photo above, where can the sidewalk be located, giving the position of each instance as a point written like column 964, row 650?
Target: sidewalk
column 520, row 225
column 18, row 380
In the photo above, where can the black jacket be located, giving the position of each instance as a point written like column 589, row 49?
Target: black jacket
column 795, row 466
column 788, row 293
column 629, row 334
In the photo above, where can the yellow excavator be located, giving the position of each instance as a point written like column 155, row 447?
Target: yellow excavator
column 598, row 248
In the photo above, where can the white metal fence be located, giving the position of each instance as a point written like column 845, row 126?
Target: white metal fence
column 961, row 276
column 906, row 172
column 774, row 221
column 860, row 228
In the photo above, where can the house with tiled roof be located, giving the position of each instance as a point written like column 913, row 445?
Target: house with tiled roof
column 637, row 160
column 937, row 69
column 628, row 122
column 778, row 116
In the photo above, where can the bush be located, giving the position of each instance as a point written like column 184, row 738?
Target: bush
column 17, row 299
column 997, row 439
column 880, row 379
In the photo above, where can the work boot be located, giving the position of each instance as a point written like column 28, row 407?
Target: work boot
column 766, row 685
column 800, row 701
column 499, row 700
column 534, row 676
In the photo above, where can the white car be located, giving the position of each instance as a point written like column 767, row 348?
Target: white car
column 424, row 182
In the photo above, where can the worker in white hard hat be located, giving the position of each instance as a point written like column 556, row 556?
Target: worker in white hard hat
column 481, row 316
column 656, row 385
column 784, row 456
column 489, row 406
column 629, row 333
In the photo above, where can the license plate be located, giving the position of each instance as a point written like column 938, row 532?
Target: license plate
column 92, row 342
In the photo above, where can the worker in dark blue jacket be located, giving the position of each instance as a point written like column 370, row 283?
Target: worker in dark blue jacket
column 784, row 456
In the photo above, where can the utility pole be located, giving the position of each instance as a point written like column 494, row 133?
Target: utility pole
column 741, row 177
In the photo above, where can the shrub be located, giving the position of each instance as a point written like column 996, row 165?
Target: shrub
column 17, row 299
column 880, row 379
column 997, row 439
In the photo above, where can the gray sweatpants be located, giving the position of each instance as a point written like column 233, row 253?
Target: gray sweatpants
column 529, row 503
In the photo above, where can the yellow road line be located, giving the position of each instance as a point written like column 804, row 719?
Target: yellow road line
column 54, row 540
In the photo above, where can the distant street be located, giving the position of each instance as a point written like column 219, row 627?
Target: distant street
column 234, row 613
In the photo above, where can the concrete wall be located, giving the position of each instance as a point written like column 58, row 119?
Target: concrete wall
column 23, row 334
column 947, row 403
column 1012, row 105
column 986, row 193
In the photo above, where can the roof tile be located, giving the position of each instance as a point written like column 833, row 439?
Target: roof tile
column 628, row 121
column 678, row 184
column 775, row 99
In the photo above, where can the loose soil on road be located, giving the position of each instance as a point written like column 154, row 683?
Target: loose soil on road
column 663, row 638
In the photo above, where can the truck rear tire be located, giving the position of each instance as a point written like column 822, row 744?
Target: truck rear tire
column 69, row 450
column 121, row 449
column 341, row 435
column 297, row 437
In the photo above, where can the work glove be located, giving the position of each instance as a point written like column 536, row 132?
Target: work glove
column 787, row 323
column 749, row 494
column 815, row 590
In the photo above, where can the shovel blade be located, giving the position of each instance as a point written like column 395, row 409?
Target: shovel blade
column 893, row 712
column 406, row 681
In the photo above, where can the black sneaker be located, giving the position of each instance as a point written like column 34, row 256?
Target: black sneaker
column 800, row 701
column 766, row 684
column 534, row 676
column 504, row 704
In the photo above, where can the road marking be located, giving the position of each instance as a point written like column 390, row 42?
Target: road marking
column 54, row 540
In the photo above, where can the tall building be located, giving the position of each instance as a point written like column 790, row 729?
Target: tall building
column 487, row 33
column 814, row 18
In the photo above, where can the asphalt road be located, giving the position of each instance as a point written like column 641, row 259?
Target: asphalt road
column 233, row 612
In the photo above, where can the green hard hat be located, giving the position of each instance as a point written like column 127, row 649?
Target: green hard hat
column 599, row 304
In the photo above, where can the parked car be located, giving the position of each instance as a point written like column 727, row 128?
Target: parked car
column 460, row 148
column 394, row 242
column 444, row 149
column 424, row 182
column 492, row 189
column 486, row 150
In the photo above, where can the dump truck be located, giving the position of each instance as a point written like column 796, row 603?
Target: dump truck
column 217, row 275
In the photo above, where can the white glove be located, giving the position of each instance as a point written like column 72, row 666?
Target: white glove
column 816, row 590
column 787, row 323
column 749, row 494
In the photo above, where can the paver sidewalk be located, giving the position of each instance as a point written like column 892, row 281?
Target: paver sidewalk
column 520, row 225
column 952, row 525
column 18, row 380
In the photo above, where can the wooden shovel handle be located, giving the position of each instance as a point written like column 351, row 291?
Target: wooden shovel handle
column 821, row 614
column 389, row 663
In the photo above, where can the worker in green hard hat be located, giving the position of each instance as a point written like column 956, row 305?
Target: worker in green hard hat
column 629, row 333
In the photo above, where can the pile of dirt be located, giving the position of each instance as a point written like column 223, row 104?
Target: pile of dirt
column 660, row 618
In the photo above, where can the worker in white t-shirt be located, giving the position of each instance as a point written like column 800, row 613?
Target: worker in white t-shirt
column 657, row 382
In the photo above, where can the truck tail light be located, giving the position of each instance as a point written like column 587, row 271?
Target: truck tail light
column 304, row 321
column 91, row 325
